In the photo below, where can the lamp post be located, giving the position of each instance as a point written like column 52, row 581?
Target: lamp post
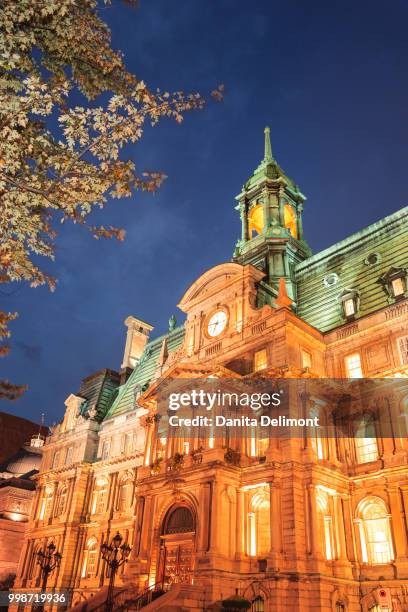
column 114, row 554
column 48, row 560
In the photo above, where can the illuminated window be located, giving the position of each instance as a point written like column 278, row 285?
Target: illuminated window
column 62, row 501
column 255, row 220
column 90, row 558
column 340, row 607
column 260, row 360
column 349, row 308
column 258, row 541
column 105, row 450
column 46, row 504
column 394, row 282
column 306, row 359
column 68, row 455
column 375, row 533
column 127, row 443
column 56, row 458
column 366, row 442
column 397, row 287
column 100, row 497
column 350, row 301
column 353, row 366
column 403, row 349
column 290, row 219
column 124, row 495
column 258, row 604
column 325, row 523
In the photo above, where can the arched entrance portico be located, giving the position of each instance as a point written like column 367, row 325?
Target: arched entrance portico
column 177, row 541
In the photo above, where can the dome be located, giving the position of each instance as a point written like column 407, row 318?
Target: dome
column 27, row 459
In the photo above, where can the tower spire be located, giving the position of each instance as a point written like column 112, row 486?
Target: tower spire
column 268, row 148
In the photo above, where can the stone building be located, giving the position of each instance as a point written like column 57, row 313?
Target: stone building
column 296, row 523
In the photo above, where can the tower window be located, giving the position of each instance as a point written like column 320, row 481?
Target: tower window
column 353, row 366
column 260, row 360
column 256, row 220
column 289, row 220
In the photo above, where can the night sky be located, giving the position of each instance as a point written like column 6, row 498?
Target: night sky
column 330, row 80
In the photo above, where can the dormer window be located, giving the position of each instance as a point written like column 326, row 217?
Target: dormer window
column 349, row 307
column 395, row 283
column 350, row 302
column 398, row 288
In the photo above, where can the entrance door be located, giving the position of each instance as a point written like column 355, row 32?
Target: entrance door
column 176, row 559
column 176, row 562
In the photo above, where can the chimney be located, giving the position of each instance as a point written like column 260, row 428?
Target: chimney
column 136, row 339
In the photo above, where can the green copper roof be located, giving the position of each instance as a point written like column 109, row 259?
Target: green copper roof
column 318, row 302
column 99, row 389
column 145, row 370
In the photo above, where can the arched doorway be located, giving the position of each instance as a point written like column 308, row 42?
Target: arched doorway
column 176, row 558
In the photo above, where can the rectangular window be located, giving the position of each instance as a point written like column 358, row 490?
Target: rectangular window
column 349, row 308
column 366, row 449
column 105, row 450
column 397, row 287
column 127, row 449
column 68, row 455
column 353, row 366
column 403, row 349
column 260, row 360
column 306, row 359
column 55, row 460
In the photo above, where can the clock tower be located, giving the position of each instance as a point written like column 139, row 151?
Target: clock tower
column 270, row 206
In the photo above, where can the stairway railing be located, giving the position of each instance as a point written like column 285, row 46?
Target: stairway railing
column 128, row 598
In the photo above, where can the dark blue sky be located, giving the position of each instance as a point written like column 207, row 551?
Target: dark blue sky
column 330, row 80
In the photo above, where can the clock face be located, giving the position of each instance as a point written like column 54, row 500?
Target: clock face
column 217, row 323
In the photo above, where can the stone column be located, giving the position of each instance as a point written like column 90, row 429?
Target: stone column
column 275, row 519
column 300, row 221
column 397, row 524
column 266, row 210
column 341, row 536
column 215, row 523
column 314, row 523
column 243, row 211
column 240, row 524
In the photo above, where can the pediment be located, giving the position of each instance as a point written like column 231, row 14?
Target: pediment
column 215, row 280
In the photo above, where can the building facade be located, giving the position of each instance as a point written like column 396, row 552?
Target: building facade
column 298, row 523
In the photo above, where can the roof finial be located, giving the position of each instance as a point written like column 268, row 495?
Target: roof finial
column 268, row 148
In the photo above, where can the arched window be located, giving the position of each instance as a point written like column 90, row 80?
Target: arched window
column 255, row 220
column 62, row 501
column 325, row 525
column 90, row 559
column 125, row 489
column 366, row 441
column 100, row 496
column 340, row 607
column 290, row 220
column 258, row 529
column 179, row 520
column 258, row 604
column 318, row 442
column 375, row 532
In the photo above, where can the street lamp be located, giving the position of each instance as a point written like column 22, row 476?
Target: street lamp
column 114, row 554
column 48, row 560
